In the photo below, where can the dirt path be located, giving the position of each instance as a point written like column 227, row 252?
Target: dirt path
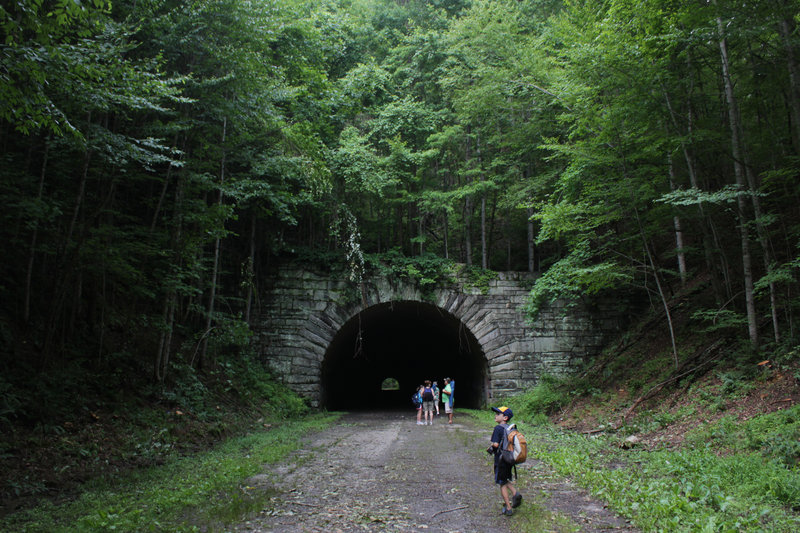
column 382, row 472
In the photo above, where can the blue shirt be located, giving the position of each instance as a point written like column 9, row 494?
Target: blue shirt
column 498, row 436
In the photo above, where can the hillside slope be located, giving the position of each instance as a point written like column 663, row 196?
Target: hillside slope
column 638, row 387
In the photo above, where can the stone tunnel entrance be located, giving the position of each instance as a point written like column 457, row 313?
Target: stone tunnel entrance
column 336, row 350
column 410, row 342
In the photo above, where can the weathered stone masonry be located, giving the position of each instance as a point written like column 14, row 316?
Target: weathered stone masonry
column 304, row 309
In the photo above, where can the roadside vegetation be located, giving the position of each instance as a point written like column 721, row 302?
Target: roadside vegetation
column 716, row 450
column 129, row 457
column 704, row 485
column 190, row 493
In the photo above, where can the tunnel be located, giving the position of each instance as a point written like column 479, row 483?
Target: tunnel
column 379, row 357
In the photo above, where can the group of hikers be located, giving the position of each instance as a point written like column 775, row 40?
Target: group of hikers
column 427, row 398
column 507, row 445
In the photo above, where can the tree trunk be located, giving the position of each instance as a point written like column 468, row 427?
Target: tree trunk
column 157, row 367
column 490, row 229
column 705, row 222
column 445, row 218
column 399, row 235
column 531, row 241
column 763, row 240
column 468, row 230
column 420, row 231
column 787, row 27
column 250, row 268
column 215, row 269
column 676, row 222
column 508, row 247
column 87, row 156
column 104, row 303
column 164, row 188
column 26, row 313
column 484, row 251
column 738, row 168
column 446, row 235
column 66, row 261
column 661, row 294
column 531, row 238
column 171, row 299
column 468, row 210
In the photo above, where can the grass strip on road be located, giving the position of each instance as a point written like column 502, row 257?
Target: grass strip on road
column 185, row 494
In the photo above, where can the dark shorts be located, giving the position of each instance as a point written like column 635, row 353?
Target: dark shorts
column 502, row 473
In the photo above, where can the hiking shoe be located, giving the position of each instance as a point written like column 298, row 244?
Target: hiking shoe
column 506, row 511
column 516, row 501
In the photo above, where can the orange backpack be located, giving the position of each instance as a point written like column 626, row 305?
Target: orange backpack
column 516, row 451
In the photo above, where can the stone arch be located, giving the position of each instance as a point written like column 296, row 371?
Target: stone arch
column 408, row 340
column 308, row 314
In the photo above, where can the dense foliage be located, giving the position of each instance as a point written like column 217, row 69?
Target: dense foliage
column 157, row 156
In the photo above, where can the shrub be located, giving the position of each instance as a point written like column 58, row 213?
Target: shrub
column 547, row 396
column 540, row 419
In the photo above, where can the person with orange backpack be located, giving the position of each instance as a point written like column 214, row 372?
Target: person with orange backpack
column 504, row 459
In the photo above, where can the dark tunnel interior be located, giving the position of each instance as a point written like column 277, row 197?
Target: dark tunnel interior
column 407, row 341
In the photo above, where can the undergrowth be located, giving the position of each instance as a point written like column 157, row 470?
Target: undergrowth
column 185, row 494
column 100, row 433
column 691, row 489
column 727, row 474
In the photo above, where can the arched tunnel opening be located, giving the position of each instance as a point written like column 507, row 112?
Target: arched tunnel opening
column 404, row 341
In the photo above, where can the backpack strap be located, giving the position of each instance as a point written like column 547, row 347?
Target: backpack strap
column 506, row 440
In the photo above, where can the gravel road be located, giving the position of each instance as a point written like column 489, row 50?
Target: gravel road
column 379, row 471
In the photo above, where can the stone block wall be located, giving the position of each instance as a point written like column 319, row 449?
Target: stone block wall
column 304, row 310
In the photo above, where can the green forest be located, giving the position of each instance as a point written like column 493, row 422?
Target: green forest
column 161, row 157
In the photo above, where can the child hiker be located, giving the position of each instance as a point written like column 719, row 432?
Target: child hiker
column 512, row 498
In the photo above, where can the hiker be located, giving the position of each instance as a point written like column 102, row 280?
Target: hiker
column 447, row 398
column 417, row 399
column 427, row 402
column 512, row 498
column 435, row 388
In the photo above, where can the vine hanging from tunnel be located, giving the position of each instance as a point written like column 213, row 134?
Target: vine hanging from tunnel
column 345, row 228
